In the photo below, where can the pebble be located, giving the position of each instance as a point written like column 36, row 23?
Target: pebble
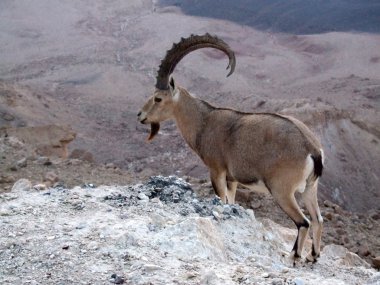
column 39, row 187
column 143, row 197
column 277, row 281
column 328, row 203
column 329, row 216
column 216, row 215
column 13, row 168
column 5, row 212
column 110, row 165
column 43, row 160
column 255, row 205
column 376, row 262
column 51, row 177
column 251, row 213
column 21, row 163
column 176, row 198
column 364, row 250
column 265, row 275
column 340, row 232
column 227, row 209
column 115, row 279
column 345, row 240
column 375, row 216
column 151, row 267
column 81, row 226
column 298, row 281
column 191, row 274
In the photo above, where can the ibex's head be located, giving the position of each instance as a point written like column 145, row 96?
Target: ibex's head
column 160, row 106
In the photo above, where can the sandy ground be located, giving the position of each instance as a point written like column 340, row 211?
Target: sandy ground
column 91, row 64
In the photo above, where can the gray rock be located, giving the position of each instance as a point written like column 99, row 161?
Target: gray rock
column 22, row 163
column 43, row 160
column 22, row 185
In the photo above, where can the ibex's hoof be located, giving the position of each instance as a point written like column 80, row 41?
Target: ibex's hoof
column 294, row 258
column 311, row 258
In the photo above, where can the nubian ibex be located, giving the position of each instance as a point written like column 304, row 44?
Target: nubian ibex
column 263, row 151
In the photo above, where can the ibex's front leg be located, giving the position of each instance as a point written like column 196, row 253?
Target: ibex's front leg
column 219, row 183
column 231, row 192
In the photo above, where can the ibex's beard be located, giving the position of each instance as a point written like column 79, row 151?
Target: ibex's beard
column 154, row 128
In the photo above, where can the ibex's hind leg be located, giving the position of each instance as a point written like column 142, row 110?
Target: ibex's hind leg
column 231, row 192
column 219, row 183
column 311, row 202
column 289, row 204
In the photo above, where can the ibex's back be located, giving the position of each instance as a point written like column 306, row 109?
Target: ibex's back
column 264, row 151
column 247, row 145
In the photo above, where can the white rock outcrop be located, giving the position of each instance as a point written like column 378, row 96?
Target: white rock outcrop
column 108, row 235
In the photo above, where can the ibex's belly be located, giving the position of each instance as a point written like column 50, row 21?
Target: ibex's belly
column 258, row 187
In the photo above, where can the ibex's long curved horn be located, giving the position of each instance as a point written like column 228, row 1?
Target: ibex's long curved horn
column 185, row 46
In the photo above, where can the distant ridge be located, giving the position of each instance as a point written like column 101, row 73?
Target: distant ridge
column 292, row 16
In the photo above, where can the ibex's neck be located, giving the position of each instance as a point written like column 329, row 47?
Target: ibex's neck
column 190, row 114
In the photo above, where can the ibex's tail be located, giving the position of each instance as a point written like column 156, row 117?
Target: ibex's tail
column 318, row 164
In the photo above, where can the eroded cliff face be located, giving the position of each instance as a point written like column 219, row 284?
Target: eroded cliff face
column 158, row 232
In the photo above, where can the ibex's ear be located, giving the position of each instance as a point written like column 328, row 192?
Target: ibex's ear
column 172, row 84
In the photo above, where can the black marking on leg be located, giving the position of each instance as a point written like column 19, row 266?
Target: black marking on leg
column 295, row 247
column 304, row 224
column 313, row 253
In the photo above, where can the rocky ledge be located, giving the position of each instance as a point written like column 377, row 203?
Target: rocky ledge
column 159, row 232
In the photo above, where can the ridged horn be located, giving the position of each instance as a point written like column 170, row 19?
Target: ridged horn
column 185, row 46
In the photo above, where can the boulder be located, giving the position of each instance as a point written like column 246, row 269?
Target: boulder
column 22, row 185
column 340, row 255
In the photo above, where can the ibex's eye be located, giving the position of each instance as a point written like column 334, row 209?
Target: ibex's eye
column 157, row 100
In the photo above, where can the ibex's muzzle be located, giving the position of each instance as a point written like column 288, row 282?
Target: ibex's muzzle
column 141, row 117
